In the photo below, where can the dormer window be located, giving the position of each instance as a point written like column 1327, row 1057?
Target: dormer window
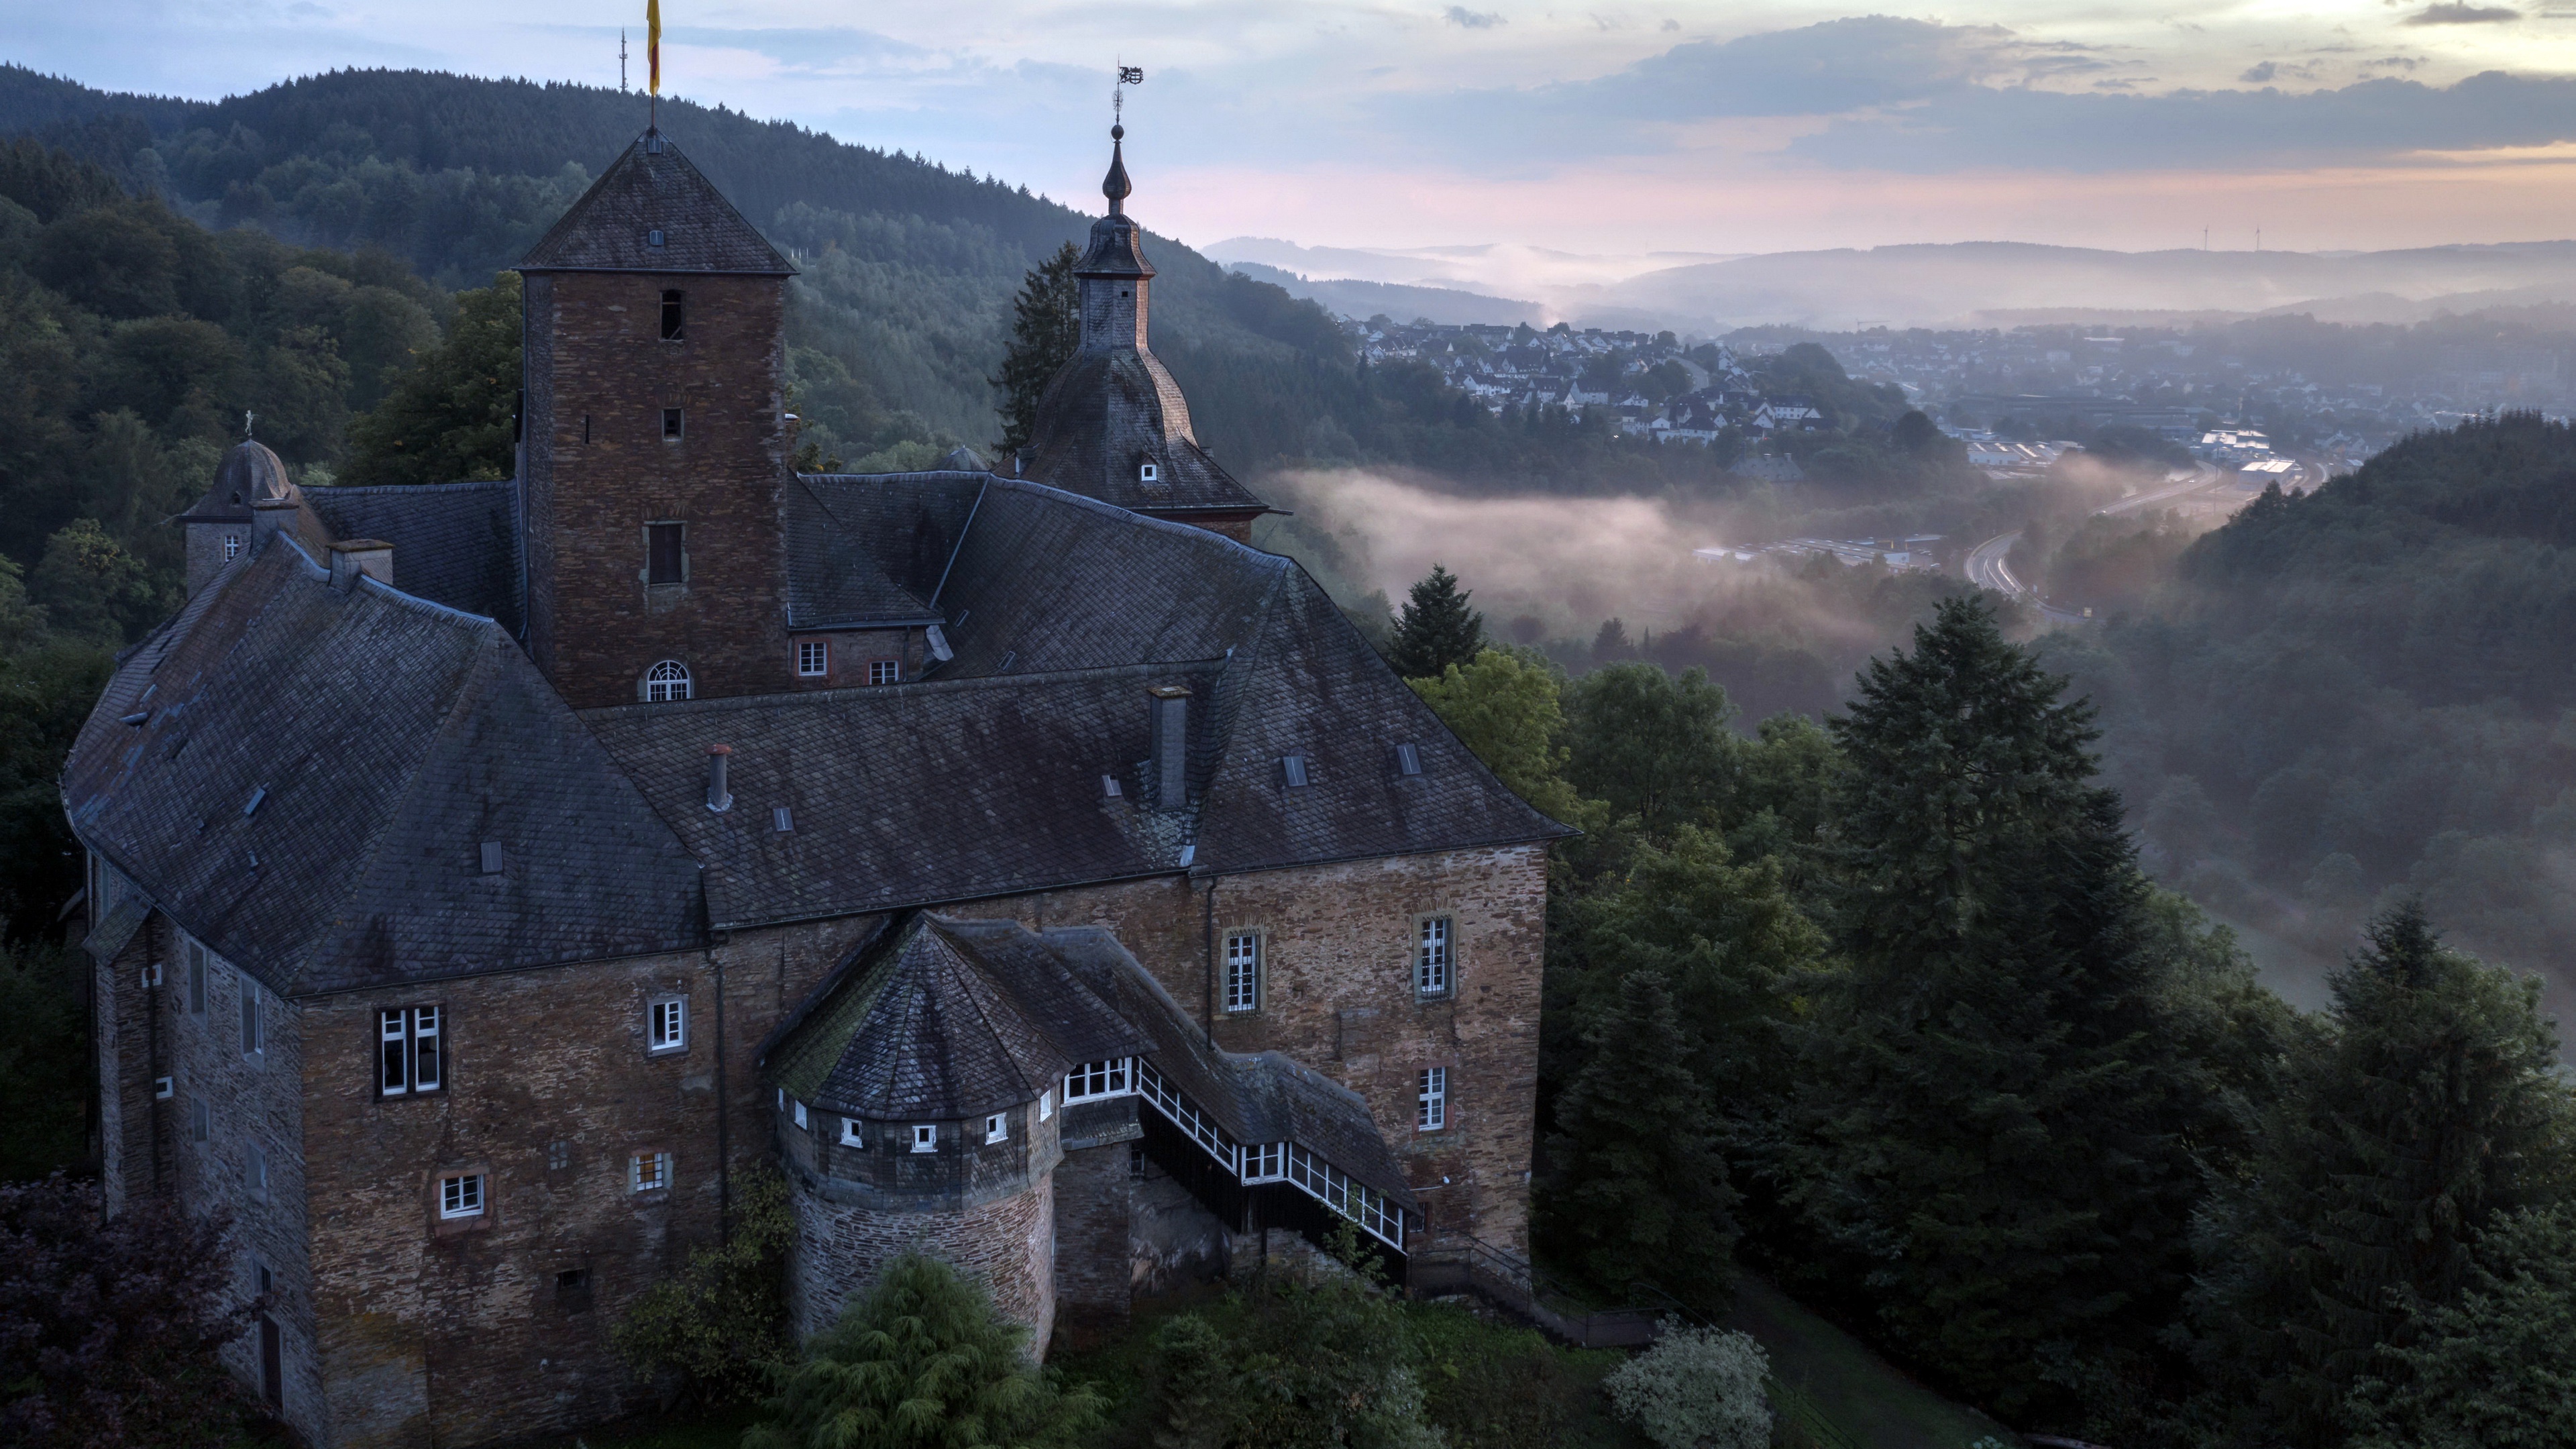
column 653, row 238
column 1150, row 473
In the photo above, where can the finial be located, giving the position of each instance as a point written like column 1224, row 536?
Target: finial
column 247, row 417
column 1116, row 186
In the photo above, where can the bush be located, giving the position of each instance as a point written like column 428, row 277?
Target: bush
column 921, row 1359
column 110, row 1327
column 714, row 1333
column 1695, row 1387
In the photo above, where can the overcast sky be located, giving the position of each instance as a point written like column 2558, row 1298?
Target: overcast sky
column 1618, row 129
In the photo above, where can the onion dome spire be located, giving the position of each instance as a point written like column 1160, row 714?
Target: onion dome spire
column 1116, row 186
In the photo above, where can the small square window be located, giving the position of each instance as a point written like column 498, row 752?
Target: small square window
column 461, row 1196
column 853, row 1133
column 1149, row 473
column 558, row 1155
column 671, row 425
column 232, row 547
column 885, row 671
column 925, row 1137
column 1431, row 1109
column 799, row 1114
column 813, row 658
column 648, row 1171
column 491, row 857
column 667, row 1025
column 654, row 238
column 163, row 1089
column 1433, row 960
column 1242, row 970
column 997, row 1128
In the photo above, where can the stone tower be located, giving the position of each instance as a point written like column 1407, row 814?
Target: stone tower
column 1113, row 424
column 656, row 441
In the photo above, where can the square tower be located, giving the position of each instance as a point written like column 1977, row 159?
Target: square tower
column 656, row 434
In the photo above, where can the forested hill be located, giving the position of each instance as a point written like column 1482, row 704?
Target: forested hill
column 2366, row 693
column 908, row 266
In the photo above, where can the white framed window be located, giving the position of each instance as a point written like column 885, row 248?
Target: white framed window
column 997, row 1128
column 1434, row 956
column 1431, row 1101
column 232, row 547
column 1148, row 473
column 885, row 671
column 1096, row 1079
column 253, row 1041
column 1046, row 1104
column 666, row 1025
column 813, row 658
column 461, row 1195
column 925, row 1137
column 163, row 1089
column 411, row 1050
column 1265, row 1161
column 666, row 681
column 648, row 1172
column 853, row 1134
column 798, row 1112
column 1242, row 970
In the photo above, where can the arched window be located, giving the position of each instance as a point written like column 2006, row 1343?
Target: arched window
column 666, row 681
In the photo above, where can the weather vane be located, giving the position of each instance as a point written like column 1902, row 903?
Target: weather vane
column 246, row 422
column 1128, row 75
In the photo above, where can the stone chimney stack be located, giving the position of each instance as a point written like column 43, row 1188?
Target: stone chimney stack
column 270, row 517
column 354, row 558
column 719, row 798
column 1170, row 771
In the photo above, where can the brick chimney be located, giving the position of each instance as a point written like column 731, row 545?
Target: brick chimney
column 352, row 558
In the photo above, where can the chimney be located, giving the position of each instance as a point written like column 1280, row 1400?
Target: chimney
column 1170, row 770
column 270, row 517
column 719, row 799
column 353, row 557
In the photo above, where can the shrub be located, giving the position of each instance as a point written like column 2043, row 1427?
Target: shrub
column 921, row 1360
column 110, row 1327
column 713, row 1333
column 1696, row 1387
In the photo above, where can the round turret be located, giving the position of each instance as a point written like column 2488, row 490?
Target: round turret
column 249, row 474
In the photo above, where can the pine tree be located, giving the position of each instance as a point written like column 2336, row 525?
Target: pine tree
column 2429, row 1107
column 1636, row 1189
column 921, row 1360
column 1436, row 629
column 1995, row 1131
column 1046, row 328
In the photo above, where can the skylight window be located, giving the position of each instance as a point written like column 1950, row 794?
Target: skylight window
column 1292, row 770
column 1408, row 759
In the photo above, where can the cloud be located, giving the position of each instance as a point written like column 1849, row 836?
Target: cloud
column 2458, row 13
column 2394, row 62
column 2256, row 75
column 1466, row 19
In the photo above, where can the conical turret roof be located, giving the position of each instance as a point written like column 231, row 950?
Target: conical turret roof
column 652, row 211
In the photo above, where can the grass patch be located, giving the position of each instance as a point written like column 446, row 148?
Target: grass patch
column 1861, row 1398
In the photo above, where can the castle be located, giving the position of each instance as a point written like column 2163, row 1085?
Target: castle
column 484, row 878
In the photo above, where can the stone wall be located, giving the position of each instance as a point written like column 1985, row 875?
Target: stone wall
column 599, row 469
column 466, row 1332
column 1008, row 1243
column 1339, row 997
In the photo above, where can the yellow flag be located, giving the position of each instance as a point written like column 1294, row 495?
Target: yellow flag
column 653, row 42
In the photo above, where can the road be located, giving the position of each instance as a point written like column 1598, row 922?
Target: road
column 1989, row 569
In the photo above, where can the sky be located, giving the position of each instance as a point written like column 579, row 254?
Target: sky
column 1623, row 130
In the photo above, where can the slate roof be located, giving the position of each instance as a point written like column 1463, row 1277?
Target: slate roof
column 318, row 769
column 248, row 473
column 454, row 543
column 832, row 579
column 984, row 778
column 960, row 1017
column 651, row 186
column 1106, row 415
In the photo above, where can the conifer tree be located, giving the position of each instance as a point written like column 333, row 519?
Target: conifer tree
column 1636, row 1189
column 1046, row 328
column 1992, row 1131
column 1436, row 629
column 2429, row 1108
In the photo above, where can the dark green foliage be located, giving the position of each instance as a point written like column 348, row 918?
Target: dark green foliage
column 44, row 1059
column 2428, row 1107
column 2497, row 1369
column 1046, row 327
column 717, row 1331
column 110, row 1326
column 50, row 182
column 1286, row 1362
column 1436, row 628
column 452, row 418
column 921, row 1361
column 1998, row 1136
column 1637, row 1190
column 45, row 694
column 1656, row 748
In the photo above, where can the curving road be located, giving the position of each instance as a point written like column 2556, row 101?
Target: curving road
column 1988, row 568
